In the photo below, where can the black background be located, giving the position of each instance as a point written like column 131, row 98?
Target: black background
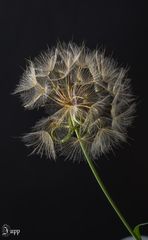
column 44, row 198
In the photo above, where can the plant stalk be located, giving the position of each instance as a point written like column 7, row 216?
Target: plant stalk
column 102, row 186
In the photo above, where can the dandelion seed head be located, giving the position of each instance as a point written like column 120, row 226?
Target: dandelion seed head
column 80, row 86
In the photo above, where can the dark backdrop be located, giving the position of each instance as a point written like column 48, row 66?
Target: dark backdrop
column 43, row 198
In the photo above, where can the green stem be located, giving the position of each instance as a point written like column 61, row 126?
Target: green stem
column 102, row 186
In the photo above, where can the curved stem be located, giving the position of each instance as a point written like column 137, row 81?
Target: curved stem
column 102, row 186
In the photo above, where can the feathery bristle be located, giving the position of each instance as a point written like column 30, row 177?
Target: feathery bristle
column 42, row 142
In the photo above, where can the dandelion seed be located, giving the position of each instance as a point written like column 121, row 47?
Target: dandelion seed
column 28, row 80
column 42, row 142
column 88, row 99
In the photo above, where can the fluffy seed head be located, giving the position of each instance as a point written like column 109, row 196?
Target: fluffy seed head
column 87, row 87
